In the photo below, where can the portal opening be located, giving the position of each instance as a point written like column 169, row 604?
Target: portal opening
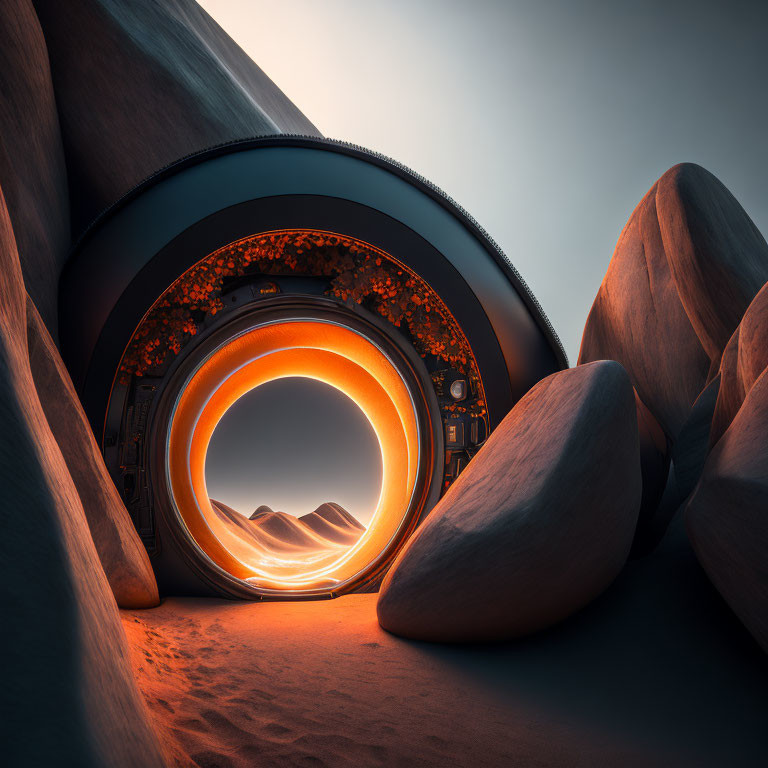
column 272, row 550
column 281, row 304
column 294, row 469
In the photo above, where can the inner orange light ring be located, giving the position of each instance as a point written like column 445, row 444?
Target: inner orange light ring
column 324, row 351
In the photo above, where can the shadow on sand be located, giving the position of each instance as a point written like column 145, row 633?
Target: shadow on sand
column 659, row 661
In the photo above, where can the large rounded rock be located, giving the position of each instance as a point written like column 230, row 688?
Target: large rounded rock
column 744, row 359
column 143, row 84
column 68, row 695
column 685, row 269
column 32, row 169
column 638, row 319
column 718, row 257
column 122, row 554
column 727, row 517
column 539, row 523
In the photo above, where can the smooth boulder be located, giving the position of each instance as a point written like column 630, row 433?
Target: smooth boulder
column 68, row 695
column 33, row 172
column 718, row 257
column 685, row 269
column 638, row 319
column 121, row 552
column 686, row 266
column 537, row 526
column 727, row 517
column 142, row 84
column 744, row 359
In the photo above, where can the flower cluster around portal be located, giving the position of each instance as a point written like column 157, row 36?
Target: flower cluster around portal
column 356, row 272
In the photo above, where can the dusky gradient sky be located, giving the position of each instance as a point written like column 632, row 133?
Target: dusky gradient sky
column 547, row 121
column 293, row 444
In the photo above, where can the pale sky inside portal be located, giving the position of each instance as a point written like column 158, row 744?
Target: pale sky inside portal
column 293, row 444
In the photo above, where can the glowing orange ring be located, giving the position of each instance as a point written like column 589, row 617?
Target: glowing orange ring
column 328, row 352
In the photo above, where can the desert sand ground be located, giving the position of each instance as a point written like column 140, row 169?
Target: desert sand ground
column 656, row 672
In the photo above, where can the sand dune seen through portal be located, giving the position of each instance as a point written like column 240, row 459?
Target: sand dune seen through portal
column 279, row 538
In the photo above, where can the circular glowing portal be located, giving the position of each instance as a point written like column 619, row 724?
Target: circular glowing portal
column 340, row 357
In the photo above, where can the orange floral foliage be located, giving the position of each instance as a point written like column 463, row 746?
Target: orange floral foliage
column 357, row 272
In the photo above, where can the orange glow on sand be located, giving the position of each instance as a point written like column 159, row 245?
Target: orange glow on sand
column 327, row 352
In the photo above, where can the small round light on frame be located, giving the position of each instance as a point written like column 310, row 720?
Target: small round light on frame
column 458, row 389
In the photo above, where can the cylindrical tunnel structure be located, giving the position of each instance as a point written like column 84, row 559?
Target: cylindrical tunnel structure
column 291, row 257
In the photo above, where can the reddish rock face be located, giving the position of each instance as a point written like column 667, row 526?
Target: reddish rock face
column 685, row 269
column 142, row 84
column 32, row 171
column 744, row 359
column 539, row 523
column 717, row 255
column 120, row 550
column 727, row 517
column 686, row 266
column 638, row 319
column 63, row 645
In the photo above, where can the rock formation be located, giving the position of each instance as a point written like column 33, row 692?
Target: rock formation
column 685, row 268
column 539, row 523
column 67, row 678
column 727, row 517
column 140, row 85
column 718, row 257
column 122, row 554
column 32, row 169
column 744, row 359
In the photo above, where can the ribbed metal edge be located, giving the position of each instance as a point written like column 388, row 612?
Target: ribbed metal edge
column 388, row 163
